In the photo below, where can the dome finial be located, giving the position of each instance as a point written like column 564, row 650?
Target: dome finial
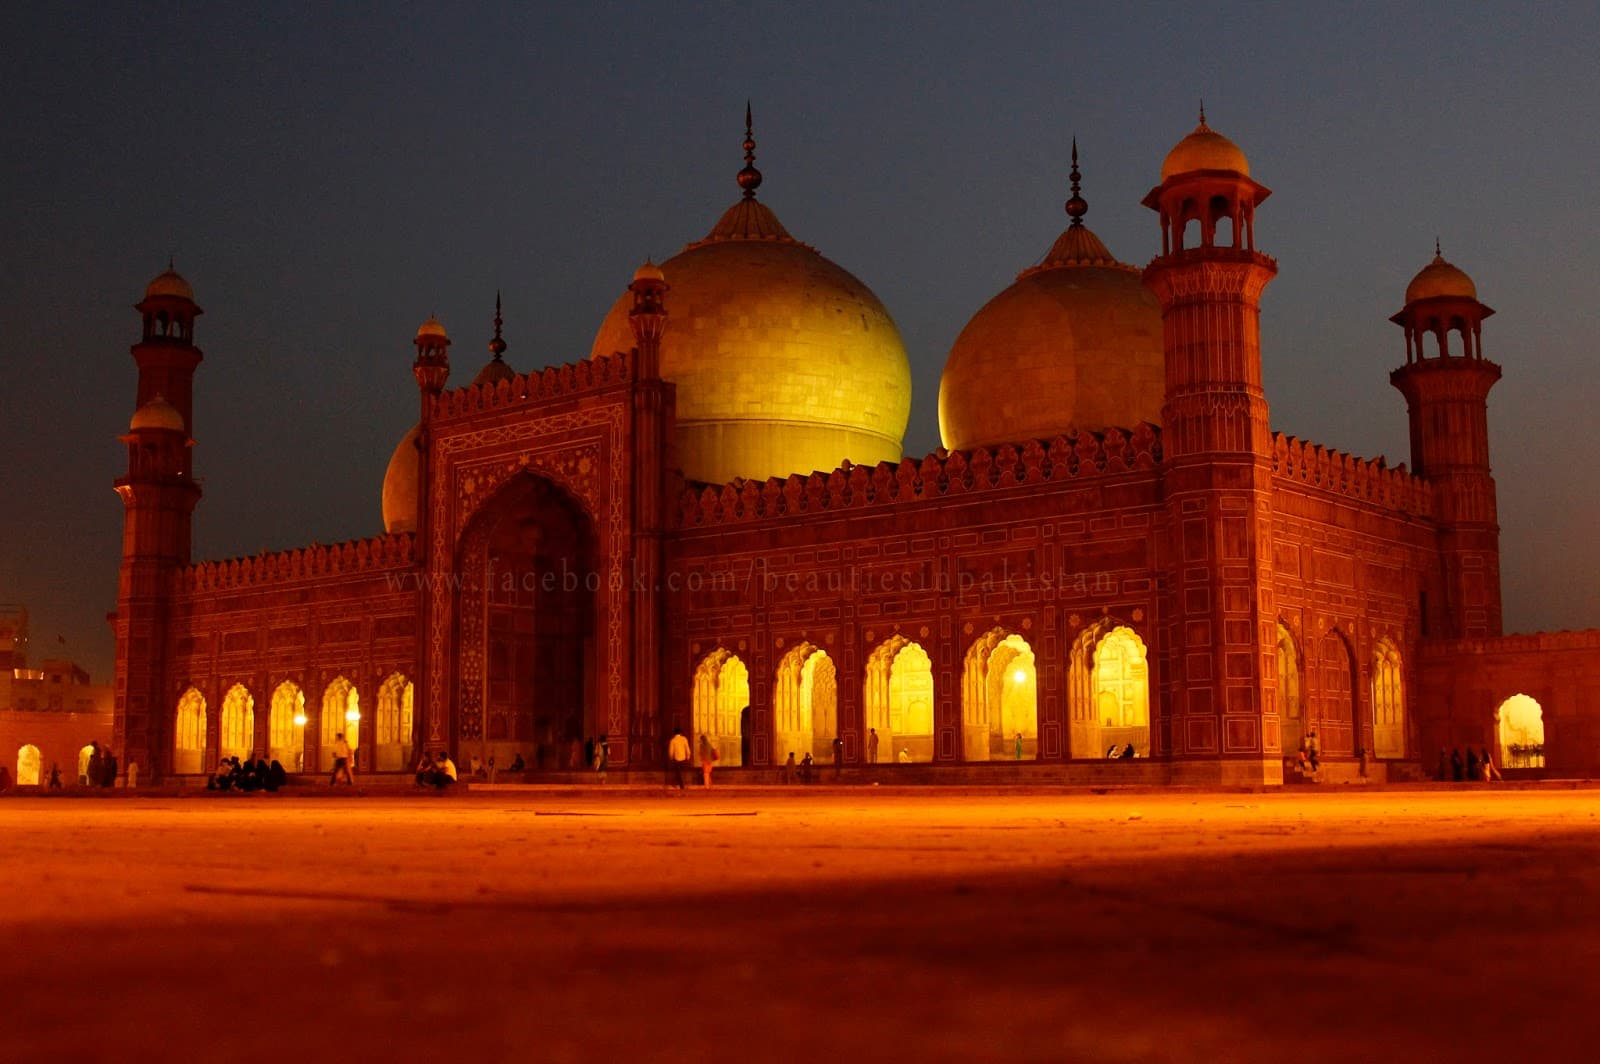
column 749, row 177
column 1202, row 112
column 1437, row 253
column 1077, row 206
column 497, row 346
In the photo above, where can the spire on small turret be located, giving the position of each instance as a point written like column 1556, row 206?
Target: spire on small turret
column 497, row 346
column 1077, row 206
column 749, row 177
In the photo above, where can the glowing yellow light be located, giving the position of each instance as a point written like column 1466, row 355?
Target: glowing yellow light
column 352, row 715
column 1019, row 676
column 299, row 720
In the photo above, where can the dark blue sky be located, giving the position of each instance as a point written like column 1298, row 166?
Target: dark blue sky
column 328, row 175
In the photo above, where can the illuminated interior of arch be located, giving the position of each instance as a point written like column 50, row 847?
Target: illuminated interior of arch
column 1521, row 732
column 84, row 754
column 341, row 713
column 1291, row 700
column 805, row 705
column 393, row 727
column 189, row 733
column 237, row 737
column 999, row 698
column 28, row 766
column 1108, row 691
column 1388, row 702
column 286, row 727
column 721, row 705
column 898, row 699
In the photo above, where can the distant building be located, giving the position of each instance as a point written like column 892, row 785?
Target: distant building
column 48, row 715
column 708, row 523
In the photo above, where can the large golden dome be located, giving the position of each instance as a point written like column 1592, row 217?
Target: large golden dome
column 401, row 484
column 1075, row 342
column 784, row 362
column 1440, row 278
column 1204, row 149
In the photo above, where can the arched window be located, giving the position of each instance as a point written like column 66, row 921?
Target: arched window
column 722, row 704
column 286, row 727
column 394, row 724
column 898, row 700
column 1109, row 691
column 189, row 734
column 1388, row 702
column 238, row 732
column 1521, row 732
column 1291, row 696
column 28, row 760
column 999, row 699
column 805, row 705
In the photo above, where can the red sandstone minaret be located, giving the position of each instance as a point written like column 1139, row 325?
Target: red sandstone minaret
column 158, row 496
column 1447, row 401
column 1218, row 676
column 653, row 400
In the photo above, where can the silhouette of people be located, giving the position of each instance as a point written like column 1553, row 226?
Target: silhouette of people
column 1444, row 766
column 444, row 771
column 341, row 761
column 872, row 746
column 805, row 768
column 1472, row 765
column 708, row 758
column 838, row 756
column 519, row 765
column 678, row 757
column 1490, row 772
column 276, row 776
column 55, row 777
column 1127, row 751
column 788, row 768
column 602, row 756
column 1457, row 766
column 1019, row 746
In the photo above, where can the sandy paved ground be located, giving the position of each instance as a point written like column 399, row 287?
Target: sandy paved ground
column 937, row 927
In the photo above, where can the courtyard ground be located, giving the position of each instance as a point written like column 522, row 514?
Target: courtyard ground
column 634, row 925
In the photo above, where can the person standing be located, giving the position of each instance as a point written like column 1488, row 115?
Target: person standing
column 872, row 746
column 341, row 762
column 838, row 757
column 602, row 756
column 677, row 756
column 1019, row 746
column 133, row 774
column 1490, row 772
column 788, row 768
column 708, row 758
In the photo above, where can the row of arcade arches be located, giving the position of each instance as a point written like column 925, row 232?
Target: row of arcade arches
column 1110, row 699
column 391, row 731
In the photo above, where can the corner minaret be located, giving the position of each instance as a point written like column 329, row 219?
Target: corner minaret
column 1447, row 402
column 159, row 494
column 1219, row 676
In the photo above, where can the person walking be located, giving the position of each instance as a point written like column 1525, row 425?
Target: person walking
column 341, row 762
column 677, row 756
column 1490, row 772
column 708, row 759
column 872, row 746
column 788, row 768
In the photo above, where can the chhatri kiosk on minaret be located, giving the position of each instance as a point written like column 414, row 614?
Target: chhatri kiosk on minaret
column 1114, row 571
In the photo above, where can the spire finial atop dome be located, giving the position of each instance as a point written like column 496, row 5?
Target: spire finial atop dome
column 1437, row 253
column 497, row 346
column 1077, row 206
column 1203, row 112
column 749, row 177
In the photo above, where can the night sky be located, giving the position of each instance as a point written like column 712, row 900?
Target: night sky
column 328, row 175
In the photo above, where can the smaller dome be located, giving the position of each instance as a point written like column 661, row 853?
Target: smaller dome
column 169, row 283
column 1204, row 149
column 402, row 485
column 649, row 272
column 493, row 372
column 432, row 327
column 157, row 414
column 1439, row 278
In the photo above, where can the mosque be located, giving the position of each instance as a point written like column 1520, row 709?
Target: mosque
column 709, row 524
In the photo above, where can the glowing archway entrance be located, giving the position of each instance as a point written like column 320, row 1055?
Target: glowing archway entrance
column 1520, row 730
column 392, row 744
column 28, row 766
column 721, row 705
column 527, row 671
column 999, row 699
column 341, row 715
column 805, row 705
column 1291, row 695
column 1388, row 702
column 286, row 727
column 898, row 699
column 238, row 731
column 189, row 734
column 1109, row 692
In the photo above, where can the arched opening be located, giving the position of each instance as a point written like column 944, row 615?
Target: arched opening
column 1335, row 722
column 392, row 741
column 805, row 705
column 898, row 700
column 527, row 682
column 286, row 727
column 1109, row 692
column 84, row 754
column 721, row 705
column 999, row 699
column 1520, row 730
column 341, row 715
column 189, row 734
column 1388, row 702
column 28, row 766
column 1291, row 693
column 237, row 735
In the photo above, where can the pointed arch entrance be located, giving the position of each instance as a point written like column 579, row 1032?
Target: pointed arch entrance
column 286, row 727
column 1335, row 722
column 341, row 715
column 897, row 696
column 189, row 734
column 999, row 699
column 1291, row 692
column 393, row 729
column 805, row 705
column 28, row 762
column 722, row 706
column 526, row 671
column 1388, row 702
column 1108, row 691
column 1519, row 728
column 237, row 734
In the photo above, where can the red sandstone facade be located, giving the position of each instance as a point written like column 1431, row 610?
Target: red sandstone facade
column 565, row 582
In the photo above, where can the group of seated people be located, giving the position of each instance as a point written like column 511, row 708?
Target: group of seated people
column 1116, row 753
column 437, row 772
column 235, row 775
